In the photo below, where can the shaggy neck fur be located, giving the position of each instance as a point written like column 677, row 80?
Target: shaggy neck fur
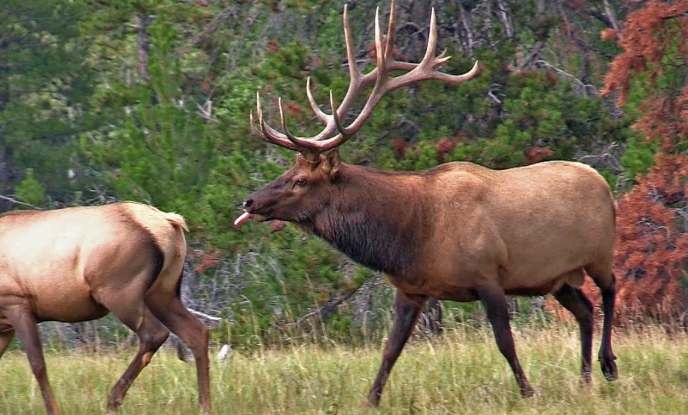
column 372, row 216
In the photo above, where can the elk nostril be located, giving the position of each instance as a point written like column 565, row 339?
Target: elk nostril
column 248, row 203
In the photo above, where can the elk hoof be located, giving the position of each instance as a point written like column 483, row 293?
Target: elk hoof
column 586, row 377
column 372, row 401
column 527, row 391
column 114, row 404
column 609, row 369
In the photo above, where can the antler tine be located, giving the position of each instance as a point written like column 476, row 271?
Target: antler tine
column 354, row 72
column 379, row 75
column 425, row 70
column 379, row 48
column 389, row 44
column 432, row 40
column 291, row 137
column 357, row 83
column 256, row 132
column 335, row 133
column 314, row 105
column 344, row 132
column 267, row 133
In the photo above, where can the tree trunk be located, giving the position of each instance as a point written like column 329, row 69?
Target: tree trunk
column 142, row 23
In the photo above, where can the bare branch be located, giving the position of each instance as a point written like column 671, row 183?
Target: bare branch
column 206, row 111
column 612, row 19
column 142, row 23
column 586, row 88
column 533, row 56
column 469, row 33
column 17, row 202
column 206, row 316
column 504, row 19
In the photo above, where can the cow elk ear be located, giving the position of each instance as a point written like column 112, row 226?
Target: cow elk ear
column 331, row 162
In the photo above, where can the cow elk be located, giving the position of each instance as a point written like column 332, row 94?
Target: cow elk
column 458, row 231
column 78, row 264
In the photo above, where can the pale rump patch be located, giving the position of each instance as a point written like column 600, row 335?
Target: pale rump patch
column 241, row 219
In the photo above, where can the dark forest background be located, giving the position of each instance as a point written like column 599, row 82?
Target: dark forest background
column 148, row 100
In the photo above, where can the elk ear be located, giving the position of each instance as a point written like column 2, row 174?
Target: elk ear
column 331, row 162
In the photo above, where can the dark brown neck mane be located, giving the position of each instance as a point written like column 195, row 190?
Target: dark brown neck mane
column 372, row 216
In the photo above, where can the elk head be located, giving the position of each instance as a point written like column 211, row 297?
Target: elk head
column 301, row 191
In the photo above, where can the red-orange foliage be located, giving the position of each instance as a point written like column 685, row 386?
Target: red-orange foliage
column 273, row 46
column 399, row 147
column 608, row 34
column 552, row 79
column 444, row 147
column 651, row 255
column 203, row 260
column 277, row 226
column 293, row 109
column 371, row 52
column 537, row 154
column 652, row 245
column 653, row 43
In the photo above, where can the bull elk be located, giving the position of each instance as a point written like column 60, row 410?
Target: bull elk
column 78, row 264
column 458, row 231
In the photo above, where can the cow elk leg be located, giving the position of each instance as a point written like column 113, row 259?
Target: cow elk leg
column 169, row 308
column 5, row 339
column 407, row 310
column 152, row 334
column 606, row 355
column 497, row 310
column 578, row 304
column 24, row 323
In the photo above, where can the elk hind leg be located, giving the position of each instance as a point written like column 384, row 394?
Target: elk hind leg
column 25, row 325
column 497, row 310
column 407, row 309
column 606, row 281
column 151, row 333
column 5, row 339
column 170, row 310
column 578, row 304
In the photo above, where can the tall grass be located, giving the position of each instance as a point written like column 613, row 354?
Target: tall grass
column 459, row 373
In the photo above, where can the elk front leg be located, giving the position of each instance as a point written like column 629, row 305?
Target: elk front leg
column 606, row 355
column 24, row 323
column 497, row 310
column 407, row 309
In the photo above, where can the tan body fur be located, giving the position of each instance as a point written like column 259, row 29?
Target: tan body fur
column 458, row 231
column 462, row 232
column 81, row 263
column 534, row 228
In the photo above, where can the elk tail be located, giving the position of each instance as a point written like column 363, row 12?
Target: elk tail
column 176, row 220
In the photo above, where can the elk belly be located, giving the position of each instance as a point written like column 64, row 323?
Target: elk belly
column 241, row 219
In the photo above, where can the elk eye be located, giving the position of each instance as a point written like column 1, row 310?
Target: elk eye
column 301, row 182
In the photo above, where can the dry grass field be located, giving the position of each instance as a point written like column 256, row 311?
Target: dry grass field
column 459, row 373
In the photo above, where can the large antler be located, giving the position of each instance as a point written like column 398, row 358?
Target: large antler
column 335, row 133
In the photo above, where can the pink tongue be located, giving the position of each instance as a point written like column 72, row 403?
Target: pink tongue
column 241, row 219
